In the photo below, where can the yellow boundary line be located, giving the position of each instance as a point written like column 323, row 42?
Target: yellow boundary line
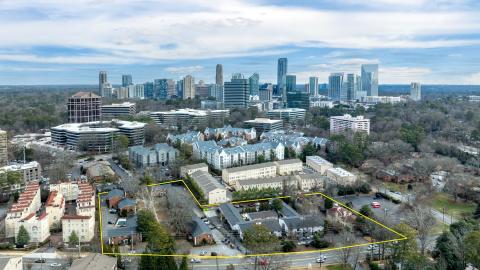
column 203, row 206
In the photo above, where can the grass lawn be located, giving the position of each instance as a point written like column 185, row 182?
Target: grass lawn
column 338, row 267
column 457, row 209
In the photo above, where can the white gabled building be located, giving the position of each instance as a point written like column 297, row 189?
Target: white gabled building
column 341, row 176
column 214, row 192
column 55, row 207
column 27, row 203
column 84, row 227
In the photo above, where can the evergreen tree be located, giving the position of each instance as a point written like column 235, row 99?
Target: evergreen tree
column 23, row 237
column 184, row 264
column 73, row 239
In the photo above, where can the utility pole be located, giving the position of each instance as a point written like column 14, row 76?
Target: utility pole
column 131, row 239
column 79, row 247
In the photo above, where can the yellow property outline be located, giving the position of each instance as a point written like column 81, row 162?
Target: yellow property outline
column 401, row 236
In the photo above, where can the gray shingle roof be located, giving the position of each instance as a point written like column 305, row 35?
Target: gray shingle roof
column 272, row 225
column 206, row 181
column 231, row 213
column 115, row 193
column 198, row 227
column 126, row 202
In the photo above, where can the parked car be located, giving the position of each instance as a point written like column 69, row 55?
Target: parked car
column 263, row 262
column 372, row 247
column 55, row 264
column 203, row 253
column 40, row 261
column 376, row 205
column 195, row 260
column 321, row 259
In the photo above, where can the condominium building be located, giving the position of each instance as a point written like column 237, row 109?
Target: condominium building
column 264, row 124
column 97, row 136
column 213, row 191
column 188, row 87
column 341, row 176
column 190, row 169
column 318, row 164
column 55, row 207
column 231, row 176
column 119, row 109
column 339, row 124
column 289, row 166
column 303, row 182
column 84, row 227
column 30, row 172
column 27, row 204
column 415, row 91
column 161, row 154
column 3, row 148
column 188, row 117
column 288, row 115
column 84, row 107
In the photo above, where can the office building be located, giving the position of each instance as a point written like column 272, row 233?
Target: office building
column 148, row 90
column 370, row 79
column 335, row 86
column 126, row 80
column 339, row 124
column 382, row 99
column 415, row 91
column 290, row 115
column 359, row 93
column 84, row 107
column 236, row 92
column 171, row 90
column 160, row 89
column 3, row 147
column 263, row 124
column 188, row 87
column 219, row 75
column 122, row 93
column 350, row 85
column 107, row 90
column 138, row 91
column 291, row 82
column 119, row 109
column 102, row 78
column 282, row 69
column 313, row 86
column 179, row 88
column 188, row 117
column 473, row 98
column 321, row 103
column 298, row 99
column 201, row 89
column 266, row 92
column 97, row 136
column 216, row 91
column 253, row 84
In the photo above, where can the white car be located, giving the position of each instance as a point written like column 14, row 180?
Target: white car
column 195, row 260
column 321, row 259
column 203, row 253
column 372, row 247
column 55, row 264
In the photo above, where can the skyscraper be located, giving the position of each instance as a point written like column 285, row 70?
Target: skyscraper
column 148, row 88
column 291, row 82
column 281, row 77
column 219, row 74
column 216, row 91
column 313, row 86
column 350, row 85
column 201, row 89
column 359, row 93
column 335, row 85
column 253, row 84
column 102, row 78
column 3, row 148
column 107, row 90
column 179, row 88
column 126, row 80
column 171, row 88
column 160, row 89
column 298, row 99
column 188, row 87
column 236, row 92
column 415, row 91
column 370, row 79
column 84, row 107
column 266, row 92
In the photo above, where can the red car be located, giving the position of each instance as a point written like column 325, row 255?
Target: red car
column 376, row 205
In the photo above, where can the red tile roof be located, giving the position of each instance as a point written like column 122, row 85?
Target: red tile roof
column 75, row 217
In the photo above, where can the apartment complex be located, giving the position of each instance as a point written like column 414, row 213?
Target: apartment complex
column 97, row 136
column 161, row 154
column 304, row 182
column 188, row 117
column 232, row 176
column 339, row 124
column 119, row 109
column 341, row 176
column 84, row 107
column 31, row 171
column 263, row 124
column 3, row 148
column 318, row 164
column 213, row 191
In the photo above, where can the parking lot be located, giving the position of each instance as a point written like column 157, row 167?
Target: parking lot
column 387, row 210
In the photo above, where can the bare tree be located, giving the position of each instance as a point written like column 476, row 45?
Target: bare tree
column 422, row 220
column 346, row 238
column 181, row 212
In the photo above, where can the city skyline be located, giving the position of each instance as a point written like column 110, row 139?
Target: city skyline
column 432, row 42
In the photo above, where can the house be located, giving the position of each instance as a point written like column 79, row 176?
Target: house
column 114, row 196
column 341, row 214
column 11, row 263
column 302, row 224
column 200, row 232
column 95, row 261
column 124, row 234
column 272, row 225
column 127, row 205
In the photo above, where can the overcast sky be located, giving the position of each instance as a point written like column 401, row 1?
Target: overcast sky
column 68, row 42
